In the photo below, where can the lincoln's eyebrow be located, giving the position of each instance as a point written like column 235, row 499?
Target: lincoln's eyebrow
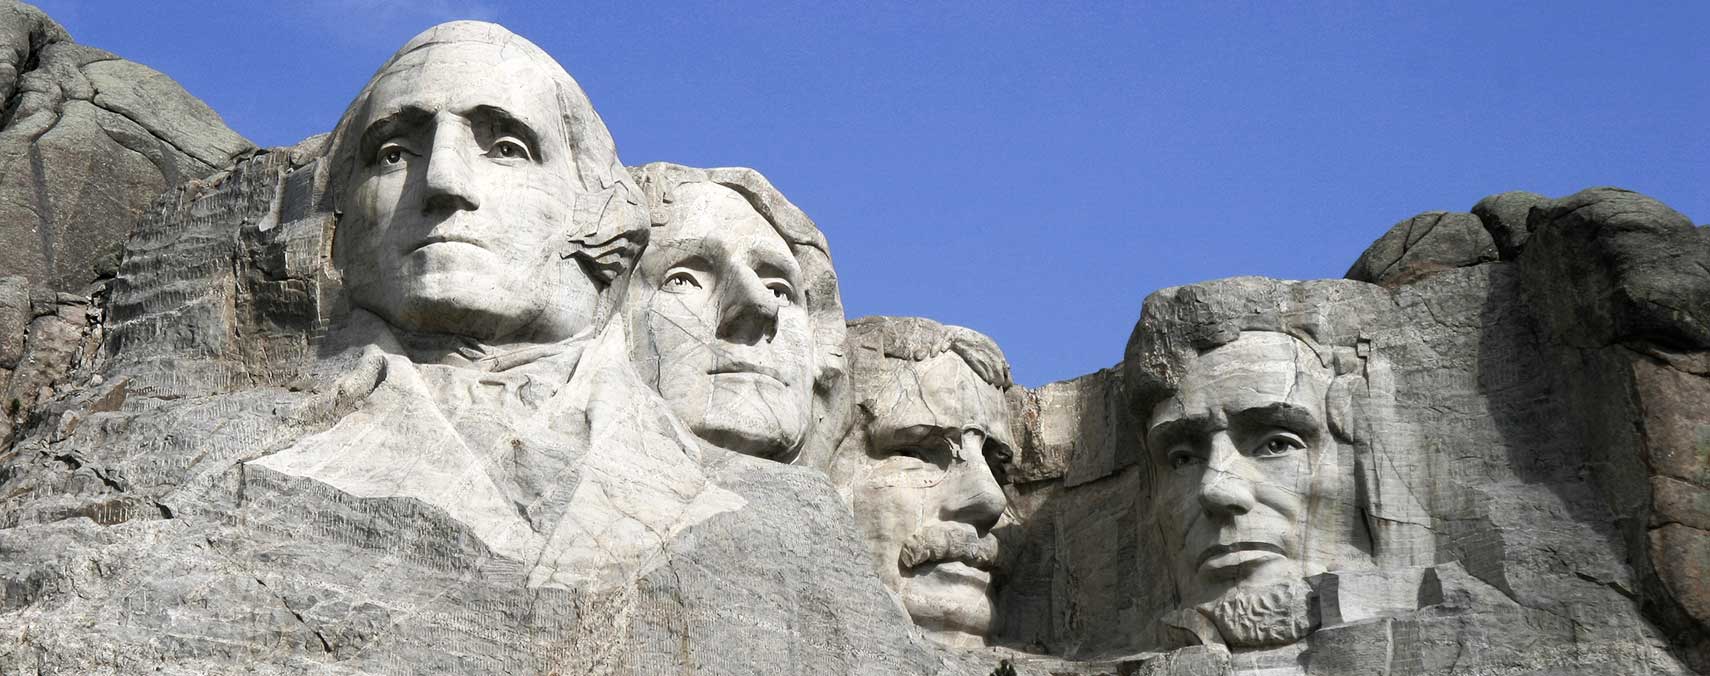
column 389, row 127
column 1292, row 417
column 1166, row 434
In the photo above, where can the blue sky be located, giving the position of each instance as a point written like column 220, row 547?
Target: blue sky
column 1033, row 170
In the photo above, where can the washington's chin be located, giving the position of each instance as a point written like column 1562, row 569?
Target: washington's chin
column 950, row 601
column 479, row 303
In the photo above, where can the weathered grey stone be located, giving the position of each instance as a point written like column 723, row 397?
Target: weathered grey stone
column 88, row 142
column 1427, row 243
column 918, row 467
column 1505, row 215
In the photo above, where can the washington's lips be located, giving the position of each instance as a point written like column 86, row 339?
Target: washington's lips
column 447, row 238
column 1237, row 553
column 943, row 542
column 740, row 366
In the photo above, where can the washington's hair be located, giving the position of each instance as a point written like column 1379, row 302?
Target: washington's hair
column 607, row 222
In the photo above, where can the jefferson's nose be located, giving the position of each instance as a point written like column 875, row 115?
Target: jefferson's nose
column 749, row 311
column 973, row 494
column 1222, row 490
column 450, row 180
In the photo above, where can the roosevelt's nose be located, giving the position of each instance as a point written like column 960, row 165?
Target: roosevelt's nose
column 748, row 313
column 1223, row 491
column 973, row 494
column 450, row 181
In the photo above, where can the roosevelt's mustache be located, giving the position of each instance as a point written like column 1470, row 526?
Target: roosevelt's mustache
column 950, row 542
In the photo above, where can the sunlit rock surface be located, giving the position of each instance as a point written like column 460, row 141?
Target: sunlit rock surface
column 316, row 415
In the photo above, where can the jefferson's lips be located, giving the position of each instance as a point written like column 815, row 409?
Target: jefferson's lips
column 1237, row 553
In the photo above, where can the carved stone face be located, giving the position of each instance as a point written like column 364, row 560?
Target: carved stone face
column 456, row 216
column 1249, row 489
column 719, row 326
column 924, row 493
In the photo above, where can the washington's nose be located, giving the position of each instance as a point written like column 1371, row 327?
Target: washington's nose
column 1222, row 490
column 749, row 313
column 450, row 181
column 974, row 494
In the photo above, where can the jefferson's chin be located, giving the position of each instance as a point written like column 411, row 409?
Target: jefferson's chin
column 748, row 415
column 951, row 600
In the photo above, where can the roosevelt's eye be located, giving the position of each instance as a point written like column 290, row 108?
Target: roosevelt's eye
column 681, row 281
column 509, row 148
column 1277, row 445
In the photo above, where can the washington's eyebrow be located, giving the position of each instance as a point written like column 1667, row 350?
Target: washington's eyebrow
column 389, row 126
column 1292, row 417
column 504, row 122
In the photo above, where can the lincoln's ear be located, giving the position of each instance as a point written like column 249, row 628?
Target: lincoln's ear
column 609, row 230
column 1339, row 406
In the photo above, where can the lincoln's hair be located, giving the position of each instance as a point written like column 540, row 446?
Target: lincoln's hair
column 1179, row 324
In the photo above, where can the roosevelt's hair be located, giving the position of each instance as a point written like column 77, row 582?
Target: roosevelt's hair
column 920, row 339
column 607, row 222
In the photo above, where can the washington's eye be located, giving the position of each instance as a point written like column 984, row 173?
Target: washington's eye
column 509, row 148
column 392, row 154
column 681, row 281
column 1279, row 444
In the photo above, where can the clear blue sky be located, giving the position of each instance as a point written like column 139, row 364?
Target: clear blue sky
column 1033, row 170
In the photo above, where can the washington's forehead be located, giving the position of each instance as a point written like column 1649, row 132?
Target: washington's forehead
column 461, row 76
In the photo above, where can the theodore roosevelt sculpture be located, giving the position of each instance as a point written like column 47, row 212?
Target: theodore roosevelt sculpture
column 734, row 316
column 919, row 467
column 1256, row 413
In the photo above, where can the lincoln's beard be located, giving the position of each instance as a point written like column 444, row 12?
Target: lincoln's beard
column 1264, row 616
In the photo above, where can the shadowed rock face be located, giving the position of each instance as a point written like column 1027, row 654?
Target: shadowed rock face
column 87, row 141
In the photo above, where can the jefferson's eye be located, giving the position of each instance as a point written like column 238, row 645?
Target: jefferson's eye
column 681, row 281
column 508, row 148
column 782, row 290
column 1277, row 445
